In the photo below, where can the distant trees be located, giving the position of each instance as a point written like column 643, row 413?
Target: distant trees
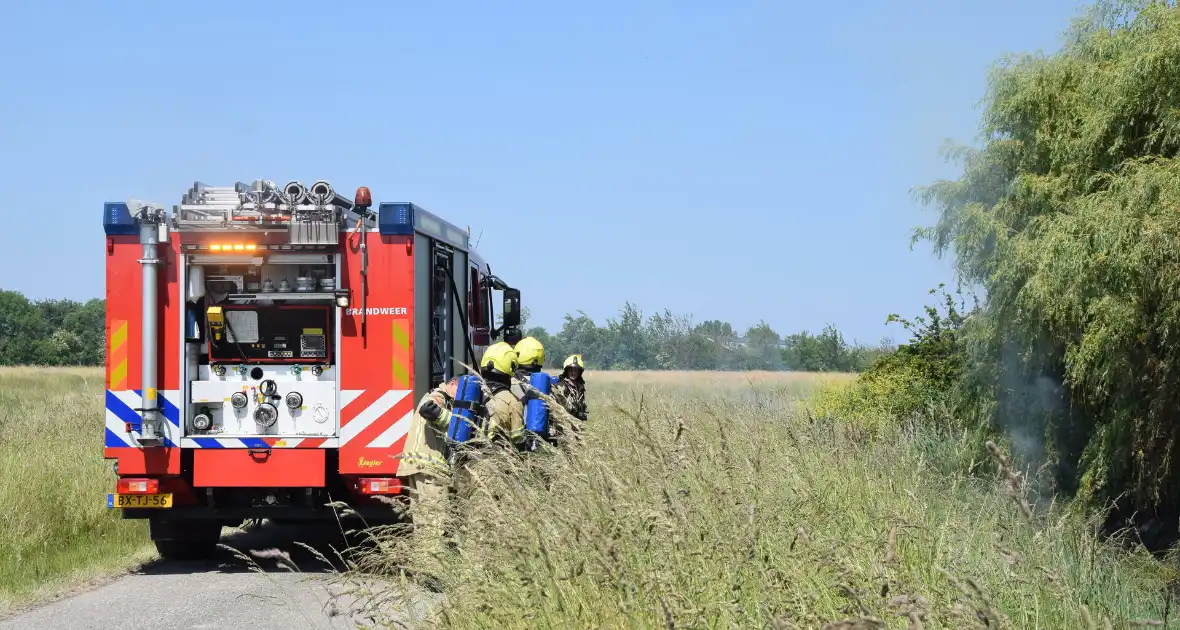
column 51, row 332
column 828, row 352
column 669, row 341
column 65, row 332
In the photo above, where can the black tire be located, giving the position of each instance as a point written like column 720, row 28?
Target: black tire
column 185, row 540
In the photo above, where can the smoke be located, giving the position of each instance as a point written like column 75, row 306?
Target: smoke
column 1030, row 401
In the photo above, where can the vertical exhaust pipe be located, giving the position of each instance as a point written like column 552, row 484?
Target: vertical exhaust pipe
column 149, row 237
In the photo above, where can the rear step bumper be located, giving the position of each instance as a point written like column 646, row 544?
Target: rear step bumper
column 258, row 468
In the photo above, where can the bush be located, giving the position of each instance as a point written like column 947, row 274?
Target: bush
column 1066, row 217
column 923, row 378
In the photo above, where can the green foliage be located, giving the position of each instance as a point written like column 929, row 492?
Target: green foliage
column 828, row 352
column 934, row 359
column 669, row 341
column 51, row 332
column 1067, row 218
column 924, row 377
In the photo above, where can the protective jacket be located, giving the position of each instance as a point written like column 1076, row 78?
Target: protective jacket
column 505, row 413
column 426, row 441
column 571, row 393
column 520, row 384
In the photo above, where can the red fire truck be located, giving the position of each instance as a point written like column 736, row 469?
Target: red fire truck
column 266, row 347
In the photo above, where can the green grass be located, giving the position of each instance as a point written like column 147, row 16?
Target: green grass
column 734, row 509
column 55, row 529
column 716, row 508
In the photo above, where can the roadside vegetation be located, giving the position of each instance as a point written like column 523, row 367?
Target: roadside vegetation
column 55, row 529
column 1064, row 223
column 733, row 506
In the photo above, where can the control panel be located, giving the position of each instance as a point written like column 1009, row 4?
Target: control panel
column 270, row 334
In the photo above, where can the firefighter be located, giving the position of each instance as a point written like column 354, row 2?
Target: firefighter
column 570, row 391
column 505, row 414
column 427, row 469
column 501, row 420
column 531, row 354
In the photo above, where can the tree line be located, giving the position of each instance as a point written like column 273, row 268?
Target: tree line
column 51, row 332
column 1065, row 220
column 66, row 332
column 671, row 341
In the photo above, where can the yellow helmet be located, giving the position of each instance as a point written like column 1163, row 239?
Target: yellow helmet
column 530, row 351
column 499, row 357
column 573, row 360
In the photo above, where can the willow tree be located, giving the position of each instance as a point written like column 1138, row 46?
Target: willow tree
column 1067, row 215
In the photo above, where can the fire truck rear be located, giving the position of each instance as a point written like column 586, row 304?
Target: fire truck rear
column 266, row 347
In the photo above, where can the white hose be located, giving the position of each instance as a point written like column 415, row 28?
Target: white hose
column 294, row 193
column 321, row 193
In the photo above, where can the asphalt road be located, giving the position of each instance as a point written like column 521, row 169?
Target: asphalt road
column 222, row 593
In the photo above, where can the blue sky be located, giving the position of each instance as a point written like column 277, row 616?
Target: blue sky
column 732, row 160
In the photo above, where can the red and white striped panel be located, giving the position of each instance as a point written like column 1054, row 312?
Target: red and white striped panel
column 374, row 418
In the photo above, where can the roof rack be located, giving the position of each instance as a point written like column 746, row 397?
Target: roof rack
column 311, row 215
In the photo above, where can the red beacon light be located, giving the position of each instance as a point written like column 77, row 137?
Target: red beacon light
column 364, row 198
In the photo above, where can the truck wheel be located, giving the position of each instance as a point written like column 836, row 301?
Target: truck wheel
column 185, row 540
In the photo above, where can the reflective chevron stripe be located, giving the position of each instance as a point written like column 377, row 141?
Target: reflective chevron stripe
column 123, row 422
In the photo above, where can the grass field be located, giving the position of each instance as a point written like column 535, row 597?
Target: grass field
column 730, row 508
column 55, row 529
column 796, row 382
column 696, row 500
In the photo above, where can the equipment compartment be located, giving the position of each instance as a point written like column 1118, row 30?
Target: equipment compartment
column 273, row 334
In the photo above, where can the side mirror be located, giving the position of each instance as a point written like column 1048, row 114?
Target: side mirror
column 511, row 309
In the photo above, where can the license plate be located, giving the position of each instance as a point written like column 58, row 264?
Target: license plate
column 139, row 500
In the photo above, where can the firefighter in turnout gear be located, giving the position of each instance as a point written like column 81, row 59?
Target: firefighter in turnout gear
column 570, row 392
column 531, row 353
column 505, row 414
column 502, row 416
column 427, row 467
column 501, row 420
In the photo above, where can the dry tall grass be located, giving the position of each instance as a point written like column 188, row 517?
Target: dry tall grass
column 55, row 528
column 710, row 377
column 732, row 509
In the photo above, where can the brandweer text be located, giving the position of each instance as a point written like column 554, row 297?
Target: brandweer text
column 399, row 310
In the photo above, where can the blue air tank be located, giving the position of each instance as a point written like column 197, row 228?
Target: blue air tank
column 467, row 396
column 536, row 413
